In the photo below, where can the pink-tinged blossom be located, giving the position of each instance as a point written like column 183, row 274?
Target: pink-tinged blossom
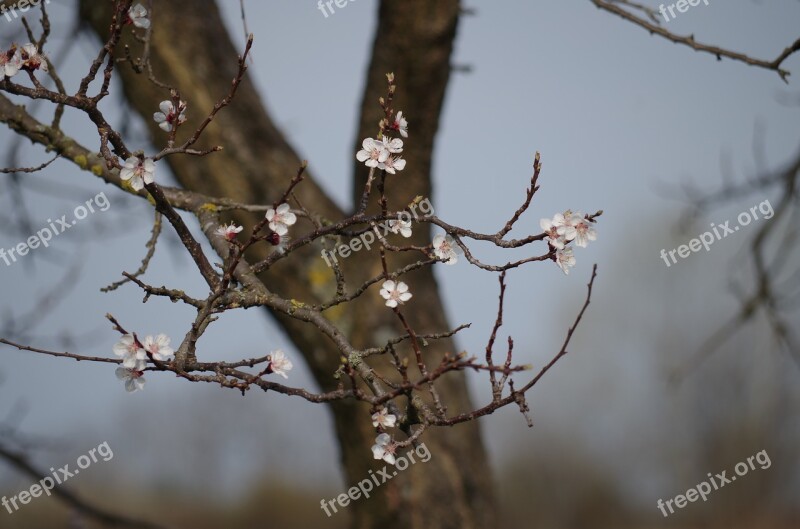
column 132, row 355
column 280, row 219
column 279, row 363
column 555, row 240
column 373, row 152
column 563, row 223
column 168, row 118
column 384, row 419
column 137, row 15
column 384, row 448
column 584, row 232
column 138, row 171
column 395, row 293
column 565, row 260
column 444, row 247
column 134, row 379
column 158, row 347
column 228, row 231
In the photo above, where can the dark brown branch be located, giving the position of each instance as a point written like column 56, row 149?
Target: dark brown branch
column 774, row 65
column 73, row 356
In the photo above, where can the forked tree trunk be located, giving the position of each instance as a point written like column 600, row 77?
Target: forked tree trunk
column 192, row 51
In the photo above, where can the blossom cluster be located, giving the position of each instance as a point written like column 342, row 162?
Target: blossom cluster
column 16, row 58
column 384, row 448
column 564, row 228
column 140, row 171
column 28, row 58
column 384, row 153
column 396, row 292
column 134, row 355
column 279, row 219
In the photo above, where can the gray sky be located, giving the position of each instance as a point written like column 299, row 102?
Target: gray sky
column 617, row 115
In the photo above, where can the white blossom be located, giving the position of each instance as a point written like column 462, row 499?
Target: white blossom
column 384, row 448
column 373, row 153
column 384, row 418
column 158, row 347
column 584, row 232
column 395, row 293
column 279, row 363
column 10, row 63
column 565, row 259
column 444, row 247
column 392, row 164
column 555, row 240
column 400, row 226
column 132, row 355
column 228, row 231
column 134, row 379
column 168, row 118
column 138, row 171
column 280, row 219
column 138, row 16
column 393, row 145
column 563, row 223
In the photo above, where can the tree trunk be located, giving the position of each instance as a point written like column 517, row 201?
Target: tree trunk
column 192, row 51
